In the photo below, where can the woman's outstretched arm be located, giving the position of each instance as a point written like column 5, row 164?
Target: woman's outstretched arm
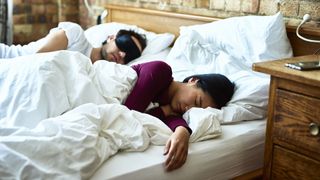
column 153, row 78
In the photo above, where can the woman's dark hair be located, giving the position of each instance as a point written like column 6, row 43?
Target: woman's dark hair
column 218, row 86
column 126, row 44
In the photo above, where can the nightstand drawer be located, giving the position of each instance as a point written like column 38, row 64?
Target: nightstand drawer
column 290, row 165
column 291, row 150
column 294, row 114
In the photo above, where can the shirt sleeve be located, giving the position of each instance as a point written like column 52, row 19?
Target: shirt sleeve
column 174, row 121
column 171, row 121
column 153, row 79
column 77, row 40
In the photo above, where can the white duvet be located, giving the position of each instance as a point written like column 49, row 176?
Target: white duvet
column 61, row 117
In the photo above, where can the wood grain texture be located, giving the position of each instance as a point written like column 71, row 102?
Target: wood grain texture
column 290, row 165
column 165, row 21
column 291, row 152
column 155, row 20
column 277, row 68
column 268, row 139
column 292, row 117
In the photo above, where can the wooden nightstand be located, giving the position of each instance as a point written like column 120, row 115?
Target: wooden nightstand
column 292, row 149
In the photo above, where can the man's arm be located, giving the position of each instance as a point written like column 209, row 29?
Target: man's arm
column 56, row 41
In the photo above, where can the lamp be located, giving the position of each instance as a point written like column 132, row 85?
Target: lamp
column 102, row 12
column 306, row 18
column 102, row 16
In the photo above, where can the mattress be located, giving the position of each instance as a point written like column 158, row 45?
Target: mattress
column 237, row 151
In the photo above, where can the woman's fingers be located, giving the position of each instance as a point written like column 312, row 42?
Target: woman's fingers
column 171, row 155
column 176, row 161
column 167, row 147
column 179, row 158
column 177, row 155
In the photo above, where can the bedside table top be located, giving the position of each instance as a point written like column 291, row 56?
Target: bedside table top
column 277, row 68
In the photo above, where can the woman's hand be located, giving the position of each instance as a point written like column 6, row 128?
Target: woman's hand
column 177, row 148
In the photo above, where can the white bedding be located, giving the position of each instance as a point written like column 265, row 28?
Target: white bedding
column 37, row 141
column 39, row 86
column 229, row 47
column 94, row 127
column 239, row 150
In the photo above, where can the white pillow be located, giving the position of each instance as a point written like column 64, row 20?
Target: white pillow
column 160, row 56
column 230, row 47
column 250, row 99
column 248, row 38
column 190, row 55
column 155, row 42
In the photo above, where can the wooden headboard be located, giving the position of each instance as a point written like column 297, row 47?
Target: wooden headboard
column 163, row 21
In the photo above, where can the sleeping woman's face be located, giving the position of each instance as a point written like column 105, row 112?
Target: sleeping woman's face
column 188, row 96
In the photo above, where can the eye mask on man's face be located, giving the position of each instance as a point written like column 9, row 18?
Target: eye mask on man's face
column 125, row 43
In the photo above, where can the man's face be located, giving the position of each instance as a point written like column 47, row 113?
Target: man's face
column 112, row 53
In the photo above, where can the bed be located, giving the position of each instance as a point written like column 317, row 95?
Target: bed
column 237, row 154
column 232, row 147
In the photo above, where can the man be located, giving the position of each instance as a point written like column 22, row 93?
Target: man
column 121, row 48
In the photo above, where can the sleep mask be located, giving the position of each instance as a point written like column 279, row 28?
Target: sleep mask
column 126, row 44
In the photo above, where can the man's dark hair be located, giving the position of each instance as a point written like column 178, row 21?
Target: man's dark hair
column 140, row 37
column 218, row 86
column 126, row 44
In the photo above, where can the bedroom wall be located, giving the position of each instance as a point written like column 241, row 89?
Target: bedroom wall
column 293, row 10
column 32, row 19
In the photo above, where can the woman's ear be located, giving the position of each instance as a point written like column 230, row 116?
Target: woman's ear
column 193, row 80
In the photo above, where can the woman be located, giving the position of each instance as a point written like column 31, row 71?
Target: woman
column 121, row 48
column 155, row 84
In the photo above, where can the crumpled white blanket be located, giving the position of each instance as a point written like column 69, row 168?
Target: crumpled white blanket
column 73, row 145
column 39, row 86
column 36, row 141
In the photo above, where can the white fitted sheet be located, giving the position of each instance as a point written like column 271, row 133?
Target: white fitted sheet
column 239, row 150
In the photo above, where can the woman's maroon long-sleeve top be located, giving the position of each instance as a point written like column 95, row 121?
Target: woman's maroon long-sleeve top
column 154, row 79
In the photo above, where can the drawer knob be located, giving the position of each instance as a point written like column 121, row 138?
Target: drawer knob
column 314, row 129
